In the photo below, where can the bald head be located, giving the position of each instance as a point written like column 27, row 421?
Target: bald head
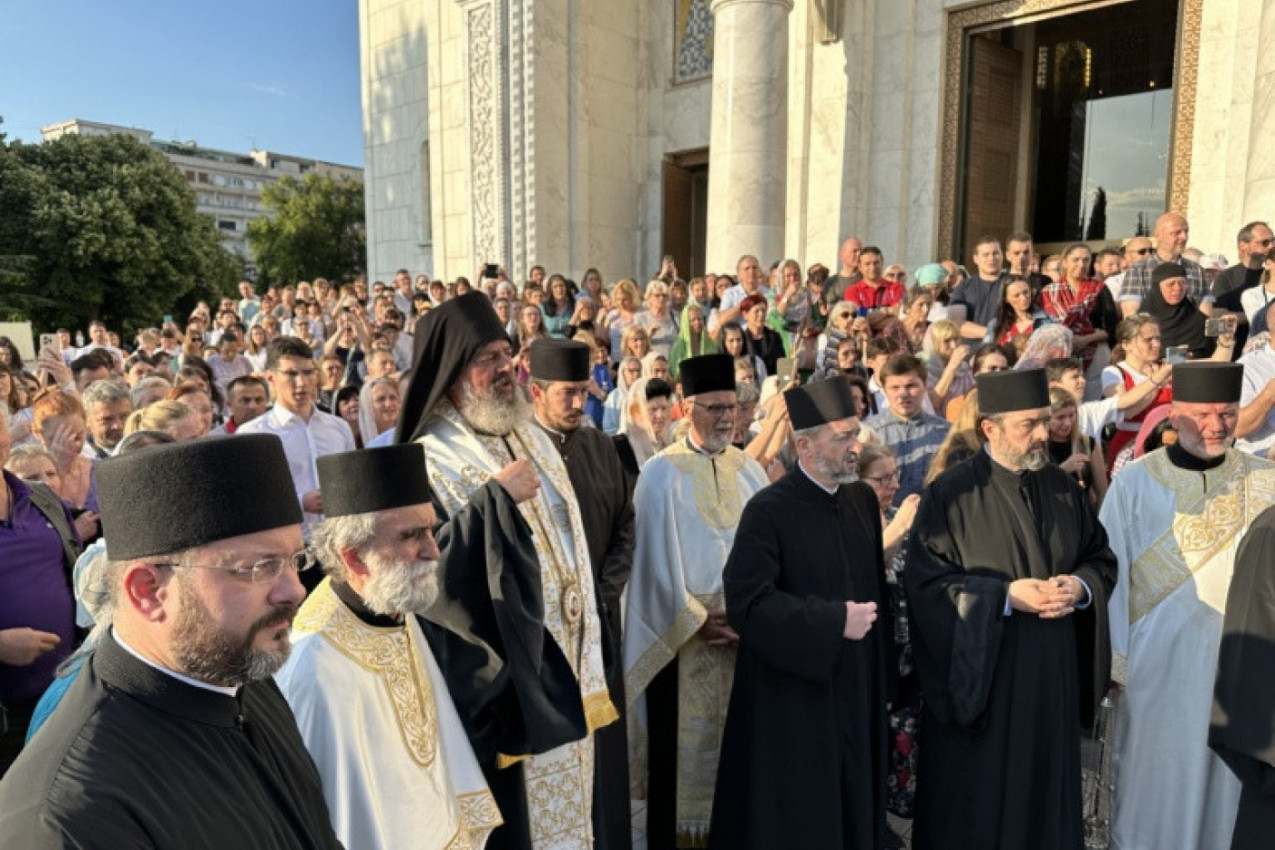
column 1171, row 232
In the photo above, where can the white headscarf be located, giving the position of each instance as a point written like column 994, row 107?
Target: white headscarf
column 367, row 416
column 645, row 442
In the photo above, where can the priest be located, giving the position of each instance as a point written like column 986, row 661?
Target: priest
column 520, row 642
column 560, row 376
column 804, row 752
column 1243, row 728
column 370, row 701
column 1176, row 519
column 1007, row 579
column 173, row 733
column 679, row 651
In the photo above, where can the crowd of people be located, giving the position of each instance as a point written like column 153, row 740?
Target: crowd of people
column 775, row 551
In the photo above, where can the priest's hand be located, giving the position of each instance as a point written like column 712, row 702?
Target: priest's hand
column 716, row 632
column 519, row 480
column 859, row 619
column 22, row 646
column 312, row 502
column 1068, row 593
column 1031, row 595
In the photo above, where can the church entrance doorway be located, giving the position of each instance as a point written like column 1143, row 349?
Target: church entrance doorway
column 686, row 210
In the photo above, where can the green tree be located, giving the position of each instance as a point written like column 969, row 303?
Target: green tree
column 316, row 230
column 102, row 228
column 1098, row 217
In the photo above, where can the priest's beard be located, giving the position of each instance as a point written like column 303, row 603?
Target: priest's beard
column 495, row 410
column 1032, row 459
column 210, row 655
column 399, row 587
column 837, row 469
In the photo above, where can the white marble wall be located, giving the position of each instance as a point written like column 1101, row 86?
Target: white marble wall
column 393, row 59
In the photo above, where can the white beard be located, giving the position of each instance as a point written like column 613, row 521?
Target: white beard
column 489, row 413
column 399, row 587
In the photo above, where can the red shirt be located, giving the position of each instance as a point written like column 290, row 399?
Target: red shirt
column 887, row 294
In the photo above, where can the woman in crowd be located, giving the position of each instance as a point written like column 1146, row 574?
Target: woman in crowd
column 347, row 409
column 944, row 356
column 761, row 341
column 1073, row 301
column 197, row 369
column 746, row 373
column 9, row 354
column 558, row 308
column 591, row 285
column 692, row 338
column 530, row 326
column 658, row 317
column 1048, row 342
column 841, row 325
column 916, row 319
column 655, row 365
column 1072, row 451
column 13, row 400
column 629, row 373
column 625, row 304
column 1181, row 322
column 379, row 403
column 583, row 319
column 961, row 443
column 865, row 402
column 173, row 418
column 256, row 348
column 644, row 425
column 989, row 357
column 1017, row 315
column 195, row 396
column 59, row 424
column 879, row 469
column 1136, row 360
column 636, row 342
column 734, row 344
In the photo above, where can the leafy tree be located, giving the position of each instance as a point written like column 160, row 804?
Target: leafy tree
column 317, row 229
column 102, row 227
column 1098, row 217
column 1141, row 228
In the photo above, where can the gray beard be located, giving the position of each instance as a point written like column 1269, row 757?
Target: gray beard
column 396, row 587
column 211, row 656
column 836, row 471
column 489, row 413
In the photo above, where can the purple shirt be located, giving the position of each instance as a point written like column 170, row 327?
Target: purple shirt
column 33, row 591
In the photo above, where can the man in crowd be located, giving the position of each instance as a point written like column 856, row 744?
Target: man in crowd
column 848, row 273
column 173, row 733
column 106, row 406
column 751, row 281
column 229, row 363
column 138, row 367
column 1019, row 252
column 404, row 774
column 1171, row 231
column 1255, row 431
column 560, row 372
column 1107, row 263
column 249, row 304
column 1175, row 521
column 679, row 651
column 974, row 300
column 1135, row 250
column 873, row 292
column 92, row 367
column 467, row 413
column 912, row 434
column 1004, row 551
column 307, row 432
column 246, row 399
column 805, row 584
column 100, row 339
column 1253, row 243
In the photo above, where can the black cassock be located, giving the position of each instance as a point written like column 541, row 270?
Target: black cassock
column 803, row 762
column 605, row 496
column 1242, row 731
column 135, row 758
column 1004, row 695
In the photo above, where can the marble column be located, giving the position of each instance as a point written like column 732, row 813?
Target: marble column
column 747, row 169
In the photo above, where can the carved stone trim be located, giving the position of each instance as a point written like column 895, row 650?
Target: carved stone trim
column 522, row 126
column 484, row 51
column 988, row 16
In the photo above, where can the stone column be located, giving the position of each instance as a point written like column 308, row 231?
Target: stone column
column 747, row 169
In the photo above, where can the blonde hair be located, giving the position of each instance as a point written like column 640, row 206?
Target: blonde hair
column 942, row 331
column 160, row 416
column 962, row 441
column 626, row 286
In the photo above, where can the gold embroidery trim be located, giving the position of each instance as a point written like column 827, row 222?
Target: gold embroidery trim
column 717, row 498
column 662, row 651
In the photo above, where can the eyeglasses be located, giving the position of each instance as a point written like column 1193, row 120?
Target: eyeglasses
column 267, row 569
column 896, row 276
column 717, row 411
column 882, row 480
column 1141, row 252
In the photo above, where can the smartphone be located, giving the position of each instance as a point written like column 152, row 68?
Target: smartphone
column 52, row 342
column 1175, row 354
column 1220, row 326
column 491, row 271
column 168, row 318
column 785, row 369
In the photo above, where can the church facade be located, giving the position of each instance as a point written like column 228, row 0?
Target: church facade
column 607, row 133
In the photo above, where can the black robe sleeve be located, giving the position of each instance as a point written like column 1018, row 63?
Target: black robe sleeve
column 1242, row 731
column 958, row 617
column 512, row 685
column 800, row 634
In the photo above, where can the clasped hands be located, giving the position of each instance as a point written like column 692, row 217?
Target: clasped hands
column 1049, row 598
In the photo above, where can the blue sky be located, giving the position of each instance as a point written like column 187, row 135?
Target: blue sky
column 276, row 74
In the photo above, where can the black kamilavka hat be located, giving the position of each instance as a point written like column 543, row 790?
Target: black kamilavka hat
column 1006, row 392
column 368, row 480
column 707, row 373
column 176, row 496
column 1208, row 382
column 821, row 402
column 559, row 360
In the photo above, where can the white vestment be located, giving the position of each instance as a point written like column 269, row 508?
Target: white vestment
column 686, row 508
column 559, row 782
column 375, row 714
column 1175, row 532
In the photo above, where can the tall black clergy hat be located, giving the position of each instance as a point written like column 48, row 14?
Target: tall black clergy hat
column 368, row 480
column 821, row 402
column 559, row 360
column 707, row 373
column 1006, row 392
column 172, row 497
column 1208, row 382
column 446, row 339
